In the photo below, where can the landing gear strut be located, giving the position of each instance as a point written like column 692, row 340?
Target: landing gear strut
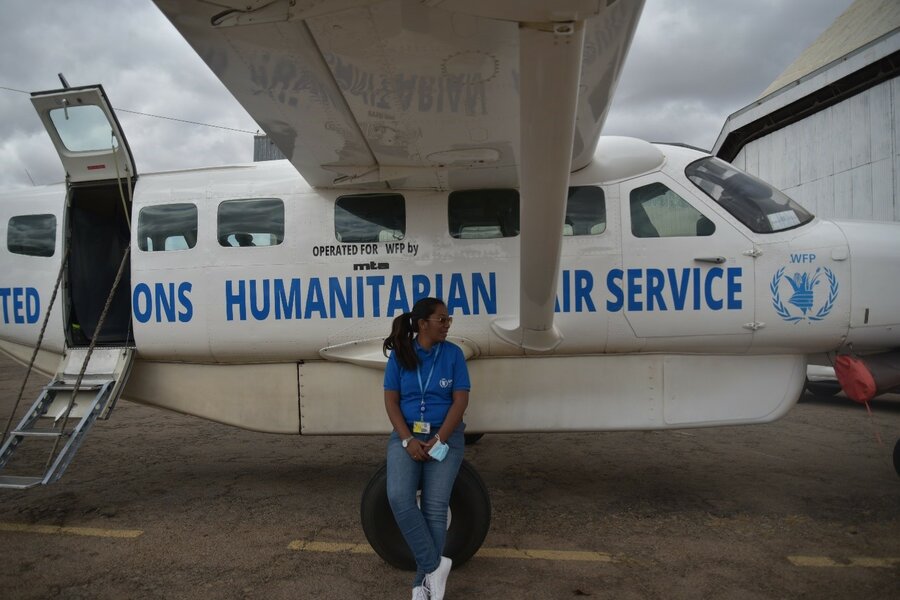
column 897, row 456
column 468, row 522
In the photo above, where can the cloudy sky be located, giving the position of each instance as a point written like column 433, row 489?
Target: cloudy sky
column 693, row 63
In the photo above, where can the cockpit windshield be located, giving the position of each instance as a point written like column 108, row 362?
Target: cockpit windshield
column 749, row 199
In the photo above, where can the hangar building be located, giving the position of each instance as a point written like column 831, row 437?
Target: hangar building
column 827, row 130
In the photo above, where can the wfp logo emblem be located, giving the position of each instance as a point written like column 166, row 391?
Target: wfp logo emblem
column 445, row 383
column 808, row 299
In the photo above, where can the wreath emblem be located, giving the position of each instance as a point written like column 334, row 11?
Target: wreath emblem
column 803, row 286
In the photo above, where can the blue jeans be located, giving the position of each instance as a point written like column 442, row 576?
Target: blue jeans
column 424, row 530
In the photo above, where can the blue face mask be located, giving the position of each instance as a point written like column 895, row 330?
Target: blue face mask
column 439, row 451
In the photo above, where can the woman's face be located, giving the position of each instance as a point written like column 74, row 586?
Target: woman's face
column 436, row 326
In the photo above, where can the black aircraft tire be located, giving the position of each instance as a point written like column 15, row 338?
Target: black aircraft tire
column 470, row 510
column 472, row 438
column 897, row 456
column 823, row 390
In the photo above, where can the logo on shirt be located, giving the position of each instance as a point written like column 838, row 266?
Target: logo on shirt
column 445, row 383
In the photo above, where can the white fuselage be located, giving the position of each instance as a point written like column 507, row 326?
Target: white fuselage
column 299, row 324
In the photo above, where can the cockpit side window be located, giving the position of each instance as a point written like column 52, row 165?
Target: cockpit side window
column 258, row 222
column 364, row 218
column 167, row 227
column 32, row 235
column 752, row 201
column 585, row 211
column 483, row 214
column 657, row 211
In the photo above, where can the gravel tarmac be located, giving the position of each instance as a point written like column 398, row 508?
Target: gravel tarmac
column 807, row 507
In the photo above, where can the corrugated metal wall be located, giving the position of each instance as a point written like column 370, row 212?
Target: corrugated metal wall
column 842, row 162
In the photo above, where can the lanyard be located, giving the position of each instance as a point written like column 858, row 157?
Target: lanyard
column 422, row 388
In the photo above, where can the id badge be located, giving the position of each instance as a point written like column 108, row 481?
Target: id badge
column 421, row 427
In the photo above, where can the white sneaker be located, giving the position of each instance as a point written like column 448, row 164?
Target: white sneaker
column 436, row 581
column 419, row 593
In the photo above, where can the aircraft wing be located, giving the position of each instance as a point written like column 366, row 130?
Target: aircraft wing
column 421, row 94
column 430, row 94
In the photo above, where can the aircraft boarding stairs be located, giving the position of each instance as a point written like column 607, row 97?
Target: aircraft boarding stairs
column 85, row 388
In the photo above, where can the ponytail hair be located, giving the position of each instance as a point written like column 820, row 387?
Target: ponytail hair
column 403, row 328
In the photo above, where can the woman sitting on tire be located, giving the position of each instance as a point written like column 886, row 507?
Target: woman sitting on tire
column 426, row 392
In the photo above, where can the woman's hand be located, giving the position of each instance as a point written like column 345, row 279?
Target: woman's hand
column 414, row 448
column 417, row 450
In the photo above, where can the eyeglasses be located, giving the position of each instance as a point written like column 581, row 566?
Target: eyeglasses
column 442, row 320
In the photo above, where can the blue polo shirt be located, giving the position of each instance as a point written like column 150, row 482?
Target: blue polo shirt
column 450, row 374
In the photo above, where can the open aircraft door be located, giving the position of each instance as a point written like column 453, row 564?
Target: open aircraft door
column 86, row 133
column 100, row 177
column 94, row 285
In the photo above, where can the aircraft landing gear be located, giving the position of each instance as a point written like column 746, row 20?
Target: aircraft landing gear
column 897, row 456
column 468, row 521
column 823, row 389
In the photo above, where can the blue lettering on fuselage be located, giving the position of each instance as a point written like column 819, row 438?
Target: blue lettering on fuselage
column 162, row 302
column 651, row 290
column 358, row 296
column 20, row 305
column 375, row 296
column 577, row 287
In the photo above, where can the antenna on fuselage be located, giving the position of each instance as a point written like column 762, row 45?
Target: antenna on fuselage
column 62, row 79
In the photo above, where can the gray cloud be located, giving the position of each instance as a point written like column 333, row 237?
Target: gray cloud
column 144, row 66
column 692, row 64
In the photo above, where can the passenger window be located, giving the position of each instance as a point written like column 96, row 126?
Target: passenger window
column 657, row 211
column 585, row 211
column 251, row 222
column 167, row 227
column 483, row 214
column 369, row 218
column 32, row 235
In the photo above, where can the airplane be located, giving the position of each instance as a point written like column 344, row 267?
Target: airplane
column 449, row 148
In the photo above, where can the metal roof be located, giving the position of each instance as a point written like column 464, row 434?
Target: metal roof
column 863, row 22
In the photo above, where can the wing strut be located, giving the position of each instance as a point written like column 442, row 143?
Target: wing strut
column 549, row 67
